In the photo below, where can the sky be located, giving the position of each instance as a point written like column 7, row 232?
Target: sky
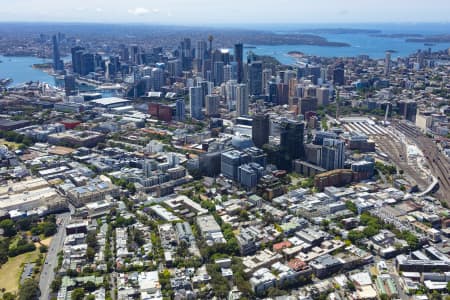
column 198, row 12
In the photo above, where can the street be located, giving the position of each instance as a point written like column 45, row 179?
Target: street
column 51, row 260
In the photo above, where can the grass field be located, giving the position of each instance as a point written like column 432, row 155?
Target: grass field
column 11, row 271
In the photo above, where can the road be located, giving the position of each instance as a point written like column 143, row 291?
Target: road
column 51, row 260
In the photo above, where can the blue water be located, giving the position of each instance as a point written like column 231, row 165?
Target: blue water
column 361, row 43
column 20, row 70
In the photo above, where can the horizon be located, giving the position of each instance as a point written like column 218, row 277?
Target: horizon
column 230, row 12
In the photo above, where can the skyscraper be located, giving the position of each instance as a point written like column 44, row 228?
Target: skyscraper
column 212, row 105
column 255, row 78
column 58, row 65
column 76, row 59
column 241, row 100
column 201, row 51
column 180, row 110
column 338, row 74
column 218, row 72
column 157, row 79
column 238, row 57
column 69, row 84
column 260, row 130
column 323, row 96
column 87, row 63
column 196, row 102
column 266, row 75
column 387, row 63
column 227, row 73
column 291, row 139
column 333, row 154
column 186, row 54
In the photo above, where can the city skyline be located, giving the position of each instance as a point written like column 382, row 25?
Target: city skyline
column 187, row 12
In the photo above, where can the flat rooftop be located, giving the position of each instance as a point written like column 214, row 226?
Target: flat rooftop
column 109, row 101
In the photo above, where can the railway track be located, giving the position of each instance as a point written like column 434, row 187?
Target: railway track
column 438, row 164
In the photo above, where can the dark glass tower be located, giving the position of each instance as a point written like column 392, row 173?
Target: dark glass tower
column 260, row 130
column 238, row 57
column 57, row 63
column 291, row 139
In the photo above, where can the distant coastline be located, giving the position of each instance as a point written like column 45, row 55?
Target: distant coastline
column 444, row 38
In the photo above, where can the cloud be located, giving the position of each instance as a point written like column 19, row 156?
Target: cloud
column 343, row 12
column 138, row 11
column 155, row 10
column 99, row 9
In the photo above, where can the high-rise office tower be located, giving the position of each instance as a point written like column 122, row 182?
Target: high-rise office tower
column 387, row 63
column 266, row 75
column 260, row 130
column 114, row 65
column 134, row 54
column 218, row 72
column 174, row 68
column 291, row 139
column 207, row 88
column 272, row 91
column 339, row 74
column 196, row 102
column 157, row 75
column 241, row 100
column 288, row 75
column 230, row 92
column 180, row 110
column 238, row 58
column 201, row 51
column 408, row 109
column 186, row 54
column 283, row 93
column 58, row 65
column 333, row 154
column 69, row 85
column 212, row 105
column 307, row 104
column 87, row 63
column 255, row 78
column 76, row 59
column 227, row 73
column 323, row 96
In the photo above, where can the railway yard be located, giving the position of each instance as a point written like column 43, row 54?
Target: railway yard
column 396, row 140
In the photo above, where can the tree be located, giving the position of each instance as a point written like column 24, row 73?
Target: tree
column 8, row 227
column 8, row 296
column 77, row 294
column 90, row 253
column 43, row 249
column 90, row 286
column 351, row 206
column 29, row 290
column 56, row 284
column 91, row 239
column 47, row 228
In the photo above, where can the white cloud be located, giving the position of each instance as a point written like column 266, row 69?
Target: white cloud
column 155, row 10
column 99, row 9
column 138, row 11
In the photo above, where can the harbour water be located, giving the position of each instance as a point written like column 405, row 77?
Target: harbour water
column 360, row 43
column 20, row 70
